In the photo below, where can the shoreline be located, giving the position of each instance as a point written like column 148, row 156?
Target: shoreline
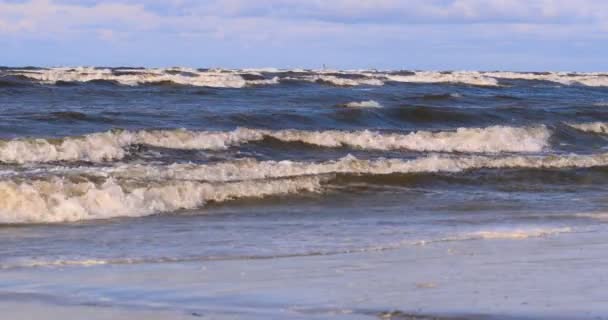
column 485, row 279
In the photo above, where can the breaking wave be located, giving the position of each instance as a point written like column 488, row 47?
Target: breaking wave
column 132, row 77
column 592, row 79
column 593, row 127
column 224, row 78
column 133, row 190
column 338, row 81
column 470, row 78
column 105, row 146
column 363, row 104
column 250, row 169
column 61, row 200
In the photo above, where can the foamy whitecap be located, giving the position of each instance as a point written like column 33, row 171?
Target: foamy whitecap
column 93, row 147
column 363, row 104
column 116, row 191
column 110, row 145
column 250, row 169
column 565, row 78
column 594, row 127
column 338, row 81
column 464, row 77
column 61, row 200
column 223, row 78
column 490, row 139
column 516, row 234
column 132, row 77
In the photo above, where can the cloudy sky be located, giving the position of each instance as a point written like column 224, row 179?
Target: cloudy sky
column 409, row 34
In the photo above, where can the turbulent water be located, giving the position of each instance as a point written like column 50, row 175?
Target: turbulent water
column 329, row 161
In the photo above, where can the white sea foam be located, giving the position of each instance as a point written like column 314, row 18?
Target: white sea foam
column 110, row 145
column 500, row 234
column 105, row 146
column 585, row 79
column 465, row 77
column 93, row 147
column 234, row 78
column 60, row 200
column 363, row 104
column 369, row 77
column 138, row 190
column 515, row 234
column 594, row 127
column 132, row 77
column 490, row 139
column 249, row 169
column 91, row 262
column 476, row 78
column 56, row 263
column 338, row 81
column 592, row 79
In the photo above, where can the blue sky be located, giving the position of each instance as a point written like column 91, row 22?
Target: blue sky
column 399, row 34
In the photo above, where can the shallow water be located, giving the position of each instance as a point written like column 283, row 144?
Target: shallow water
column 302, row 194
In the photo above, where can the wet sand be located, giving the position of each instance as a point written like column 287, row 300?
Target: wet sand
column 557, row 277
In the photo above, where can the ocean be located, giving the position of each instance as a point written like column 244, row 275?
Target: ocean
column 182, row 193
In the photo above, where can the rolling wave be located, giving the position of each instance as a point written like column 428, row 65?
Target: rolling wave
column 363, row 104
column 591, row 79
column 337, row 81
column 593, row 127
column 470, row 78
column 106, row 146
column 224, row 78
column 250, row 169
column 133, row 190
column 132, row 77
column 63, row 200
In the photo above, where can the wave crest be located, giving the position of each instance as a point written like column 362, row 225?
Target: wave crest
column 62, row 200
column 492, row 139
column 110, row 145
column 470, row 78
column 593, row 127
column 224, row 78
column 132, row 190
column 133, row 77
column 250, row 169
column 363, row 104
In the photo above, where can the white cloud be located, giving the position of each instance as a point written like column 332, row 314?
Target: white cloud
column 275, row 21
column 53, row 16
column 416, row 11
column 47, row 18
column 377, row 26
